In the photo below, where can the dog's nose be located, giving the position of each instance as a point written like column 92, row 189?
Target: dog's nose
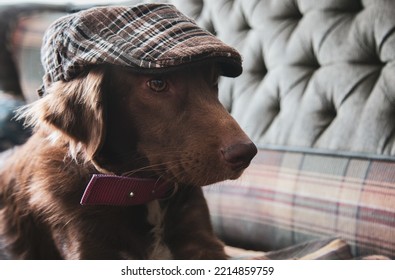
column 239, row 156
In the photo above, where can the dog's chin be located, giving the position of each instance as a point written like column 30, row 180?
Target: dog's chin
column 190, row 173
column 236, row 175
column 205, row 178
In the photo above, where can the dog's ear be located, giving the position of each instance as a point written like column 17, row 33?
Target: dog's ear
column 76, row 109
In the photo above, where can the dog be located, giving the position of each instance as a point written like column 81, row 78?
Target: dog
column 169, row 128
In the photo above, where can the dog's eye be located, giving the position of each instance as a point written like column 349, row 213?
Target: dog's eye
column 157, row 84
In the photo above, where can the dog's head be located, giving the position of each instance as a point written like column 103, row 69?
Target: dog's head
column 169, row 125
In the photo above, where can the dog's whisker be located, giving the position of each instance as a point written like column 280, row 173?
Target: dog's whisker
column 164, row 166
column 153, row 167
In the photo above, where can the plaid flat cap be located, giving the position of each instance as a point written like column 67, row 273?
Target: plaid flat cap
column 148, row 38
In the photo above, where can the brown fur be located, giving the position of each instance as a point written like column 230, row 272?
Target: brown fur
column 109, row 120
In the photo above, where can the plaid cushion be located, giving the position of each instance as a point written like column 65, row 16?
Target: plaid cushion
column 285, row 198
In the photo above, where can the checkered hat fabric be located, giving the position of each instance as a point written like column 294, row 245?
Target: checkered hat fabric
column 149, row 38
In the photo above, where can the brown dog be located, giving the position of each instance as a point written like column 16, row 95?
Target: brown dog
column 129, row 127
column 169, row 126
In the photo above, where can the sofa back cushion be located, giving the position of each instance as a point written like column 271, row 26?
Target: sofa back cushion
column 317, row 74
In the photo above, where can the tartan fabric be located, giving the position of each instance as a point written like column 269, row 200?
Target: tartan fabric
column 285, row 198
column 148, row 38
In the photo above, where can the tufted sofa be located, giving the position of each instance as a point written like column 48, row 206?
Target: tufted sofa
column 317, row 96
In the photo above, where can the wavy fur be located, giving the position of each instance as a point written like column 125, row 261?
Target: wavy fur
column 110, row 120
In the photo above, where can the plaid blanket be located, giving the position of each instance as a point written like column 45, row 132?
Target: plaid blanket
column 287, row 198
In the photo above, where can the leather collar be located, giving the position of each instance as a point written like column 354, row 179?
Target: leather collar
column 124, row 191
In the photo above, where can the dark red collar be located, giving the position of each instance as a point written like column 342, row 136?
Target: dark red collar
column 124, row 191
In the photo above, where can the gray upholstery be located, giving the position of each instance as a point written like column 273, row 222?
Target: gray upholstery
column 317, row 73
